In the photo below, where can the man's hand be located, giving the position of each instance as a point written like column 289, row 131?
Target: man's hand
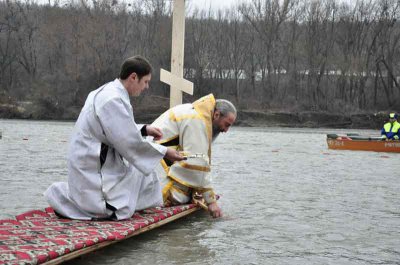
column 153, row 131
column 173, row 155
column 214, row 210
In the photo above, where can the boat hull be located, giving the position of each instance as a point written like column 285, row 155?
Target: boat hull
column 364, row 145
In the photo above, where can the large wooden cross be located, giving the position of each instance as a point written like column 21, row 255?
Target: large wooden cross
column 175, row 77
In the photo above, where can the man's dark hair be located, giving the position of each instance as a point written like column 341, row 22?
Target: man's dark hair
column 136, row 64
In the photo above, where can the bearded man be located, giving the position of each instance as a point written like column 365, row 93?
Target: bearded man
column 191, row 129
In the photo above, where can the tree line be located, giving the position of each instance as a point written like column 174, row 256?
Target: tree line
column 290, row 55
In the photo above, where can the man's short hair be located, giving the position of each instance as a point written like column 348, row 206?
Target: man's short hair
column 225, row 106
column 136, row 64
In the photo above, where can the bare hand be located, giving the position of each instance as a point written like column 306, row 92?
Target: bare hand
column 173, row 155
column 214, row 210
column 153, row 131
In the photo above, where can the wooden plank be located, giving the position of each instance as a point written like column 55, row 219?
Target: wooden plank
column 87, row 250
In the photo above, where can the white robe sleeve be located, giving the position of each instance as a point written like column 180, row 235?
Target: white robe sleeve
column 124, row 135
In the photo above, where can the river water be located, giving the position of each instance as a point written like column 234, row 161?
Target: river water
column 287, row 199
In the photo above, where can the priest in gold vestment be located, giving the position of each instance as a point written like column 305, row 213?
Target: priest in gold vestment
column 191, row 129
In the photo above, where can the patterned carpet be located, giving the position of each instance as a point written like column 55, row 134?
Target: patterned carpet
column 39, row 236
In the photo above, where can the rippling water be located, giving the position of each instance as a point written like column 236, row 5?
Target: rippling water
column 287, row 199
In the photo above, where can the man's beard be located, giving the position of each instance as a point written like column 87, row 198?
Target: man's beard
column 215, row 132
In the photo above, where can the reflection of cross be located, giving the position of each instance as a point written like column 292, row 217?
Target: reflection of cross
column 175, row 77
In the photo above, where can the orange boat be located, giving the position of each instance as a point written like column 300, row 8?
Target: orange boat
column 362, row 143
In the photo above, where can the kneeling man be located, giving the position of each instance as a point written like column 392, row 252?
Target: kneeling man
column 110, row 165
column 191, row 128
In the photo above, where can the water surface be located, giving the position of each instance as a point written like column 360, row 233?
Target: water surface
column 287, row 199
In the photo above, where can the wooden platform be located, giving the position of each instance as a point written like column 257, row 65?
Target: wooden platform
column 40, row 237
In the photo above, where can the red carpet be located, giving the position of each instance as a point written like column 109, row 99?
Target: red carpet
column 39, row 236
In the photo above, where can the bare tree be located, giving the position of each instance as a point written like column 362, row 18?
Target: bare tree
column 27, row 34
column 198, row 49
column 388, row 50
column 267, row 18
column 286, row 54
column 8, row 53
column 237, row 50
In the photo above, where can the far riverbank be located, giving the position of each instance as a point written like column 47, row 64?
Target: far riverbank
column 305, row 119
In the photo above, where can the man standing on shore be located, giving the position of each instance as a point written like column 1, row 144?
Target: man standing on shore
column 110, row 165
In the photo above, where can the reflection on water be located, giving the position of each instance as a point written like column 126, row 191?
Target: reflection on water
column 287, row 199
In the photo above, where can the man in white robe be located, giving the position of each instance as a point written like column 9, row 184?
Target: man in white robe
column 191, row 128
column 110, row 165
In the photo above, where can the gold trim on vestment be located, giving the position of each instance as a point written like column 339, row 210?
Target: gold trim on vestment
column 179, row 190
column 194, row 167
column 165, row 166
column 205, row 107
column 167, row 140
column 165, row 191
column 174, row 118
column 182, row 182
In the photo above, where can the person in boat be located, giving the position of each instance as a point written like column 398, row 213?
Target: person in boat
column 391, row 129
column 191, row 128
column 111, row 167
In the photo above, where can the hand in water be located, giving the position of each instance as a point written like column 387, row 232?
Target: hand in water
column 215, row 210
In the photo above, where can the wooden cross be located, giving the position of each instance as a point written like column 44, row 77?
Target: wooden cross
column 175, row 77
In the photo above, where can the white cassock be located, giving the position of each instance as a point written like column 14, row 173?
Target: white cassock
column 126, row 182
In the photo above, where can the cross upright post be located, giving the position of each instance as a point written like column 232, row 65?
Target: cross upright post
column 175, row 77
